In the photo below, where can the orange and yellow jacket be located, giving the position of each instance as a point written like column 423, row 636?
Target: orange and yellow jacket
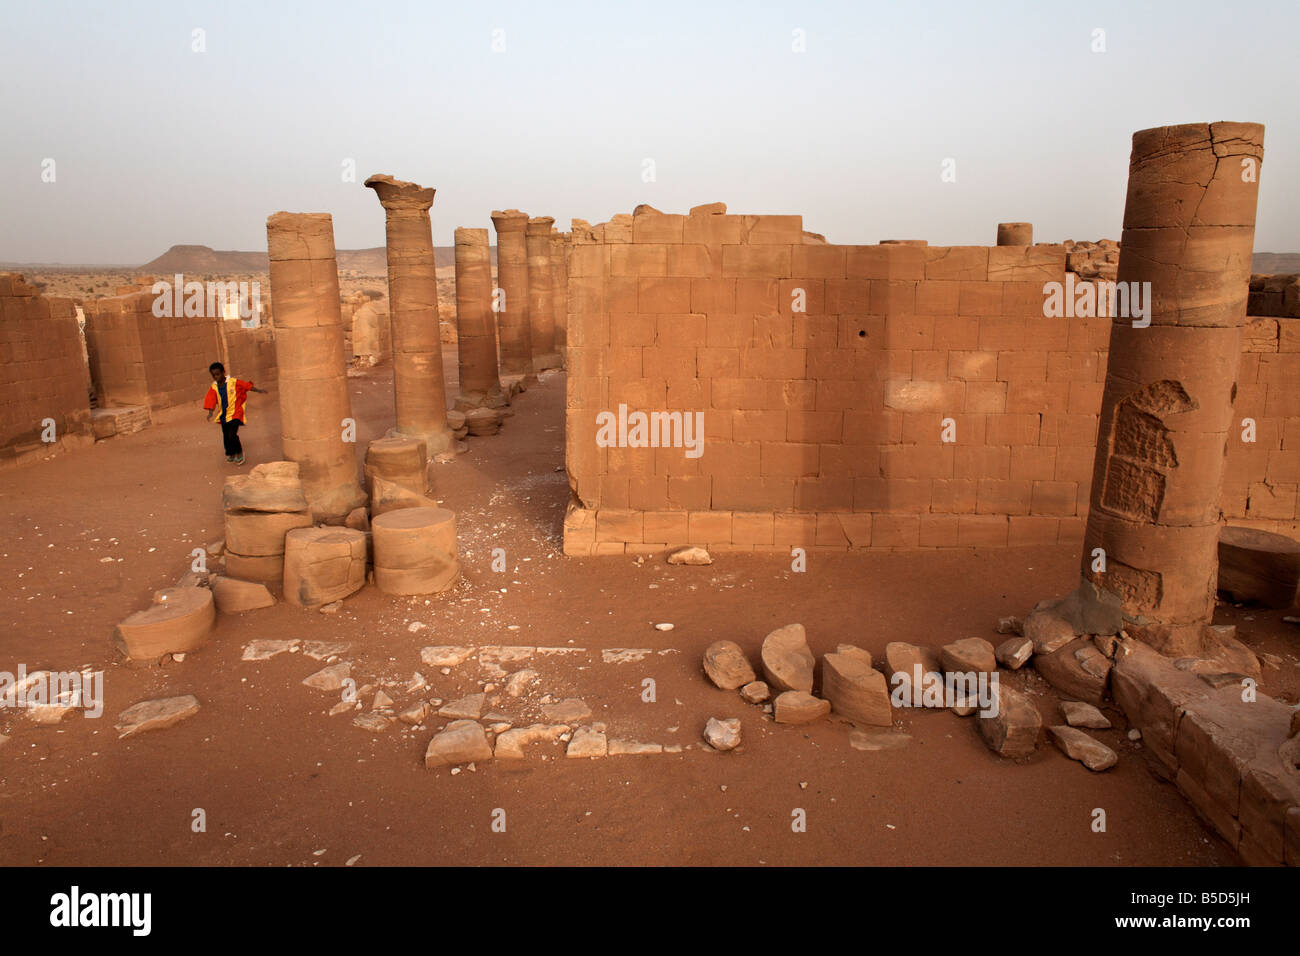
column 236, row 390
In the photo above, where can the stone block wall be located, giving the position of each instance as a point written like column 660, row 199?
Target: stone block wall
column 825, row 427
column 43, row 372
column 137, row 358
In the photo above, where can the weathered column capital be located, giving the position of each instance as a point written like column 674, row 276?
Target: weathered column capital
column 540, row 225
column 511, row 220
column 394, row 194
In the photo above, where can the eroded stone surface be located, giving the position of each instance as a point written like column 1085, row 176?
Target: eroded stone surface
column 796, row 707
column 1077, row 745
column 722, row 734
column 787, row 662
column 156, row 714
column 726, row 665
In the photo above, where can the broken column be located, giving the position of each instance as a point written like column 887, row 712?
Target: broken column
column 415, row 551
column 510, row 299
column 1171, row 378
column 476, row 332
column 315, row 410
column 419, row 390
column 402, row 461
column 560, row 289
column 323, row 565
column 260, row 509
column 541, row 307
column 1015, row 234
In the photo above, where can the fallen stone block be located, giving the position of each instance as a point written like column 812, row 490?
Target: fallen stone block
column 1079, row 714
column 330, row 678
column 755, row 692
column 416, row 713
column 273, row 486
column 156, row 714
column 1077, row 670
column 787, row 662
column 234, row 597
column 461, row 741
column 322, row 565
column 904, row 658
column 518, row 683
column 1013, row 652
column 875, row 740
column 1013, row 732
column 726, row 665
column 1258, row 566
column 796, row 707
column 1048, row 630
column 970, row 655
column 265, row 568
column 376, row 723
column 178, row 623
column 855, row 690
column 481, row 422
column 693, row 556
column 722, row 734
column 1077, row 745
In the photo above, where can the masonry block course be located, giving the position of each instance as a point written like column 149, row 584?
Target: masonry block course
column 874, row 396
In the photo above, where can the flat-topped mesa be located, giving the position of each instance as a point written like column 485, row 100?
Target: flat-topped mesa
column 315, row 408
column 560, row 289
column 1015, row 234
column 511, row 299
column 419, row 390
column 476, row 332
column 1171, row 379
column 541, row 305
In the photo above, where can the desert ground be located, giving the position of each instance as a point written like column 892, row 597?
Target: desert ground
column 89, row 534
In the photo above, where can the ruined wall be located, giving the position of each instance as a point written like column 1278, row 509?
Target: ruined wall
column 250, row 354
column 137, row 358
column 825, row 427
column 43, row 370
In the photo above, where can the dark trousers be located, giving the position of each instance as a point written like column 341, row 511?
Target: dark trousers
column 230, row 437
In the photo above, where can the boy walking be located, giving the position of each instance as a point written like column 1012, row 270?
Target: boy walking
column 225, row 404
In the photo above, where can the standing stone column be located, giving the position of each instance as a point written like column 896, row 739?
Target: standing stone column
column 560, row 290
column 419, row 388
column 541, row 307
column 1166, row 414
column 1015, row 234
column 311, row 369
column 512, row 303
column 476, row 332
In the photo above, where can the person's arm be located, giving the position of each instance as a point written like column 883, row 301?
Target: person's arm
column 210, row 403
column 249, row 387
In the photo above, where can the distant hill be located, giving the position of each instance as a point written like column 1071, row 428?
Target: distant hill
column 201, row 260
column 1275, row 262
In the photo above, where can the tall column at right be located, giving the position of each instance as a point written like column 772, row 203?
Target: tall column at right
column 511, row 303
column 560, row 290
column 476, row 333
column 1171, row 379
column 541, row 308
column 315, row 406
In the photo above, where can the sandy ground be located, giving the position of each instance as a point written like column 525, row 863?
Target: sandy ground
column 89, row 534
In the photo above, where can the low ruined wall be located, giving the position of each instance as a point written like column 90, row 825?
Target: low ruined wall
column 43, row 372
column 250, row 354
column 829, row 426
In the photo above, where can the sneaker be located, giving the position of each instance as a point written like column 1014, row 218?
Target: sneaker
column 230, row 458
column 239, row 460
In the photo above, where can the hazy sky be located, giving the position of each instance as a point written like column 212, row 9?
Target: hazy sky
column 155, row 144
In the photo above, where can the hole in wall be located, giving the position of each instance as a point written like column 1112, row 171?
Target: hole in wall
column 862, row 333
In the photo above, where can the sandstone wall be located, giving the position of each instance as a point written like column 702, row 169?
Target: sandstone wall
column 43, row 370
column 824, row 427
column 137, row 358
